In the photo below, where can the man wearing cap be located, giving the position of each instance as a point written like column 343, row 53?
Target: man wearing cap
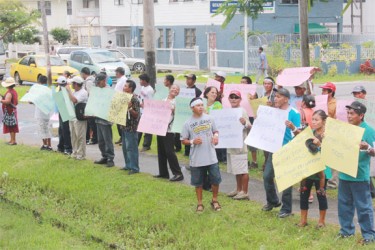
column 88, row 82
column 263, row 65
column 220, row 77
column 104, row 129
column 88, row 79
column 298, row 96
column 77, row 127
column 190, row 84
column 292, row 124
column 359, row 92
column 354, row 192
column 121, row 80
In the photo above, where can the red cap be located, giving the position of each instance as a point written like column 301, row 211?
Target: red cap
column 329, row 85
column 235, row 92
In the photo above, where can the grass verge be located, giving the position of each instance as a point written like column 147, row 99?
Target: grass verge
column 102, row 208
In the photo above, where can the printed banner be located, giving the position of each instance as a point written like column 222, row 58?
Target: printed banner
column 99, row 102
column 293, row 162
column 267, row 132
column 245, row 90
column 229, row 126
column 155, row 118
column 119, row 108
column 41, row 97
column 340, row 146
column 64, row 105
column 181, row 114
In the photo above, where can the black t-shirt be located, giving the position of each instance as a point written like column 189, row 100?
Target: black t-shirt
column 198, row 92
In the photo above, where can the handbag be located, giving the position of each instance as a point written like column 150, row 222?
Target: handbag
column 80, row 111
column 9, row 119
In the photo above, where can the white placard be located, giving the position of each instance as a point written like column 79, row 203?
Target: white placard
column 187, row 93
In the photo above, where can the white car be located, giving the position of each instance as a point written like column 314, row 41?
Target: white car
column 135, row 64
column 64, row 52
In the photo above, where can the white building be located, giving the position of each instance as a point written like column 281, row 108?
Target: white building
column 368, row 18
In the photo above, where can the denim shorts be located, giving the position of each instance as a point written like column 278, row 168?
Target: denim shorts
column 197, row 174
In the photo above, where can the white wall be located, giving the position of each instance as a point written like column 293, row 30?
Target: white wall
column 367, row 15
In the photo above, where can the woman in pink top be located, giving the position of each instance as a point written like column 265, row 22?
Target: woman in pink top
column 307, row 110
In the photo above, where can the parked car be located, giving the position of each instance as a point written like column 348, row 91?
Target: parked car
column 97, row 60
column 31, row 67
column 64, row 52
column 135, row 64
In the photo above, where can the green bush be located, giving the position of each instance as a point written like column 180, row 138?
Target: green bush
column 332, row 71
column 61, row 35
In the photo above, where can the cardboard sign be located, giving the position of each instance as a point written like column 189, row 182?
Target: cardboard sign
column 155, row 118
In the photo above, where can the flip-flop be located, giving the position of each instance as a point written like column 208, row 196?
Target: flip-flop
column 12, row 144
column 200, row 208
column 217, row 207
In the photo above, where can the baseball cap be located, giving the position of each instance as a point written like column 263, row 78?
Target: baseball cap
column 358, row 106
column 120, row 70
column 221, row 73
column 100, row 77
column 61, row 80
column 329, row 85
column 192, row 76
column 76, row 79
column 283, row 92
column 235, row 92
column 303, row 85
column 359, row 88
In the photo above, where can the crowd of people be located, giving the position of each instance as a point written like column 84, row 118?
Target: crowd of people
column 200, row 135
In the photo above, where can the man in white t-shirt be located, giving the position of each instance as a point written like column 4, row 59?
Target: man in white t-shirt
column 147, row 92
column 121, row 81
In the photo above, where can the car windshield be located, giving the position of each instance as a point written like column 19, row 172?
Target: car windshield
column 55, row 61
column 103, row 57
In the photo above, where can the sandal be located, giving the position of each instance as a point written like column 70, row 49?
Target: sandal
column 215, row 205
column 320, row 226
column 200, row 208
column 302, row 225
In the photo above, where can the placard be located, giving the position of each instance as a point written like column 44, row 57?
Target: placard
column 182, row 113
column 245, row 90
column 155, row 118
column 41, row 97
column 99, row 102
column 119, row 108
column 64, row 105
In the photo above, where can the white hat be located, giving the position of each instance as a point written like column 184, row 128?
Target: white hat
column 221, row 73
column 61, row 80
column 8, row 82
column 76, row 79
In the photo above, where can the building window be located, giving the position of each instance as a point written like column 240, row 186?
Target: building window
column 47, row 5
column 141, row 1
column 141, row 38
column 90, row 4
column 288, row 1
column 190, row 38
column 119, row 2
column 161, row 38
column 169, row 34
column 69, row 8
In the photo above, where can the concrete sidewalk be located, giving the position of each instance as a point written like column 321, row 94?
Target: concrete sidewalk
column 148, row 164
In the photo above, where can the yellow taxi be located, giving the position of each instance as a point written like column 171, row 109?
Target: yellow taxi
column 31, row 67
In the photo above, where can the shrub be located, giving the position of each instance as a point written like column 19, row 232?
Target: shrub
column 61, row 35
column 332, row 71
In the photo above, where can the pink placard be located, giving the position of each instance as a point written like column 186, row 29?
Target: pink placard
column 341, row 113
column 295, row 76
column 212, row 82
column 155, row 118
column 244, row 89
column 321, row 103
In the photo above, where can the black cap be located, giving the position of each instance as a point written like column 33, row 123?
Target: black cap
column 100, row 77
column 120, row 70
column 283, row 92
column 357, row 106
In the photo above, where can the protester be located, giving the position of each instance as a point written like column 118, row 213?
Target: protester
column 292, row 124
column 234, row 166
column 129, row 131
column 9, row 106
column 104, row 129
column 263, row 65
column 359, row 92
column 298, row 96
column 88, row 79
column 121, row 80
column 220, row 77
column 67, row 74
column 52, row 52
column 166, row 151
column 201, row 133
column 88, row 83
column 319, row 180
column 44, row 125
column 65, row 143
column 246, row 80
column 354, row 192
column 78, row 125
column 168, row 81
column 147, row 92
column 307, row 110
column 329, row 89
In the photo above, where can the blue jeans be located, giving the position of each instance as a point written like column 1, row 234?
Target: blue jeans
column 355, row 195
column 270, row 188
column 130, row 150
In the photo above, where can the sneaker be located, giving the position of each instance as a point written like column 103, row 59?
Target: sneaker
column 44, row 147
column 67, row 152
column 101, row 161
column 284, row 215
column 132, row 172
column 233, row 193
column 177, row 178
column 241, row 196
column 269, row 207
column 49, row 148
column 110, row 164
column 145, row 149
column 367, row 241
column 344, row 236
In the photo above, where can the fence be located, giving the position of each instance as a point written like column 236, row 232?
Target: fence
column 19, row 50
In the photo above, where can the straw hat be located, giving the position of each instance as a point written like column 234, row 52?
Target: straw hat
column 8, row 82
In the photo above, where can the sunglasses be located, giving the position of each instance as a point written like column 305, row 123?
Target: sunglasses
column 234, row 97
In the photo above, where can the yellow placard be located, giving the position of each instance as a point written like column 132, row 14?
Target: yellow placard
column 293, row 162
column 119, row 108
column 255, row 103
column 340, row 147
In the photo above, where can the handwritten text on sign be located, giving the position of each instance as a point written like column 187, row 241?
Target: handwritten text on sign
column 340, row 147
column 155, row 118
column 119, row 108
column 99, row 102
column 267, row 132
column 293, row 162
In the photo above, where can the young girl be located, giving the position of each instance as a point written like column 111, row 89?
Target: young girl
column 308, row 103
column 319, row 180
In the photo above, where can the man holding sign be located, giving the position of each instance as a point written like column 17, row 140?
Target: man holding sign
column 354, row 192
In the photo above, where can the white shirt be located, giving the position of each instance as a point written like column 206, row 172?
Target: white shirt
column 120, row 84
column 146, row 94
column 81, row 95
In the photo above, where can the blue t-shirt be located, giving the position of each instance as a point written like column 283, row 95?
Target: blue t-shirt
column 295, row 118
column 363, row 173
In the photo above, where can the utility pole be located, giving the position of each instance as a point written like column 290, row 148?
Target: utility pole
column 46, row 41
column 304, row 33
column 246, row 47
column 149, row 39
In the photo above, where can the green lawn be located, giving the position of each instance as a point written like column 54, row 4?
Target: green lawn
column 57, row 203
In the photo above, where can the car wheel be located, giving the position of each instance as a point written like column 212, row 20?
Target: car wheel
column 139, row 67
column 17, row 78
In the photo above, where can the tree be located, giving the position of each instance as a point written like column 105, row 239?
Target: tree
column 61, row 35
column 26, row 35
column 14, row 16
